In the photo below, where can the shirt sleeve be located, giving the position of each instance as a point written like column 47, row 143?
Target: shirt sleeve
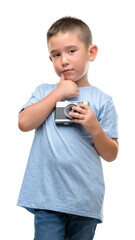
column 108, row 119
column 36, row 96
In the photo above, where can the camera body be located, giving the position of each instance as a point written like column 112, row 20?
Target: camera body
column 63, row 108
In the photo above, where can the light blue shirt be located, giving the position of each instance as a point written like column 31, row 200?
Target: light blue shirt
column 64, row 171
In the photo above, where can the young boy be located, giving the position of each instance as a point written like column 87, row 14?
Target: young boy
column 63, row 183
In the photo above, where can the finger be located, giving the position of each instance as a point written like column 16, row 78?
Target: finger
column 84, row 106
column 79, row 109
column 76, row 120
column 62, row 77
column 76, row 115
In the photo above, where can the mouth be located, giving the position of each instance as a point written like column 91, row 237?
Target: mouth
column 67, row 70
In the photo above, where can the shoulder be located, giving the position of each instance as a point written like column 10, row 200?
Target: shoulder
column 99, row 94
column 100, row 98
column 44, row 88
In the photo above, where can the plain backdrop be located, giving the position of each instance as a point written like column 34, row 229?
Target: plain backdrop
column 24, row 64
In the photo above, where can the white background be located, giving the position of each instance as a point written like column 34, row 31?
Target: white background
column 24, row 64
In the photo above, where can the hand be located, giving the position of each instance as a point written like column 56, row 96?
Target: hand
column 105, row 146
column 85, row 117
column 67, row 88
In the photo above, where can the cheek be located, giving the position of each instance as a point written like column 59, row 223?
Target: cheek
column 82, row 66
column 80, row 61
column 56, row 67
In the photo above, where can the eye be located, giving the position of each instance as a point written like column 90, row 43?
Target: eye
column 56, row 55
column 72, row 51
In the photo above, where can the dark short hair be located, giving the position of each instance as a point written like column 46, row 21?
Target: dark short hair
column 68, row 24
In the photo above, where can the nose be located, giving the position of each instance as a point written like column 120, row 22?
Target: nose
column 64, row 60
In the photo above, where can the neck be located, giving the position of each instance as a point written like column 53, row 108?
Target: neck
column 83, row 82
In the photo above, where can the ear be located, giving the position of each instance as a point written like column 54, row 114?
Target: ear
column 93, row 50
column 50, row 58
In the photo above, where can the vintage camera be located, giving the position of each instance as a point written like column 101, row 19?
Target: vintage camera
column 63, row 109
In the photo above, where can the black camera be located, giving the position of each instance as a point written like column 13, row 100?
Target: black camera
column 63, row 109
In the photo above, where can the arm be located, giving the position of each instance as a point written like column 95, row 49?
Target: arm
column 106, row 147
column 34, row 115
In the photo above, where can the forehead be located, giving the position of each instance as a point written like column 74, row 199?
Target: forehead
column 64, row 39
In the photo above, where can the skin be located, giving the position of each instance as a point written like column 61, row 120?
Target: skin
column 70, row 58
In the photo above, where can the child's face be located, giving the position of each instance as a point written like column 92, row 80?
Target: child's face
column 70, row 56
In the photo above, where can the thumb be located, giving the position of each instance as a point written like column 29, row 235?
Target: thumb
column 62, row 77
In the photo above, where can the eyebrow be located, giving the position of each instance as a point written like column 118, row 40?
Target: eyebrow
column 56, row 50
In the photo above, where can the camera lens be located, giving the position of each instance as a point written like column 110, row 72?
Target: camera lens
column 68, row 109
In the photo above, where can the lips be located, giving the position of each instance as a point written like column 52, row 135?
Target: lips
column 67, row 70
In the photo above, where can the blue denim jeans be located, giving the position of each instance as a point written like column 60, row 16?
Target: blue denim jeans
column 50, row 225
